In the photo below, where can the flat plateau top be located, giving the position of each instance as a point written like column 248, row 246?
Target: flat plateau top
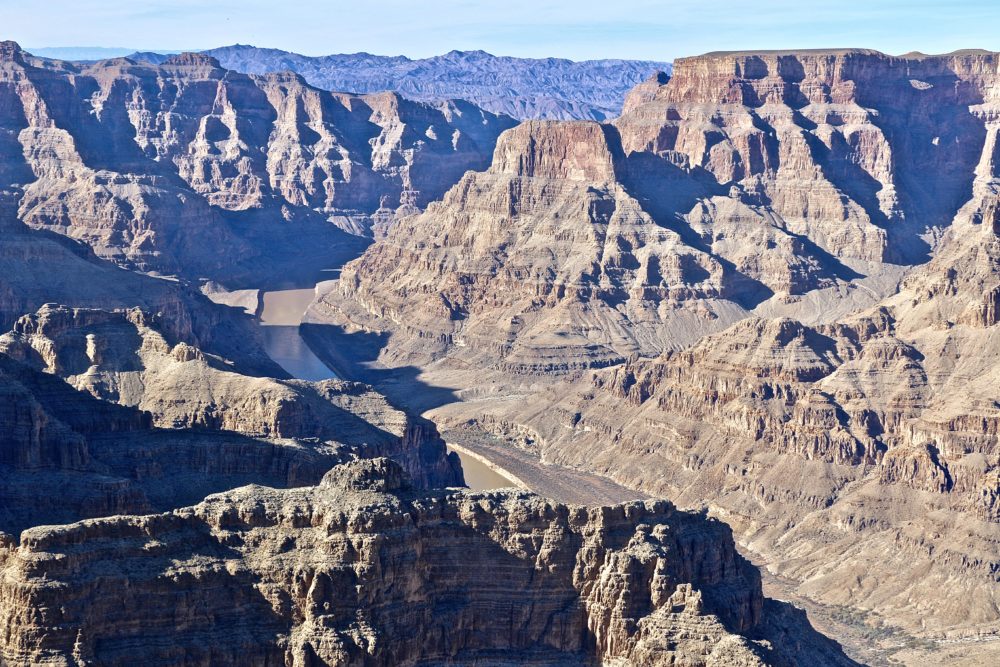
column 913, row 55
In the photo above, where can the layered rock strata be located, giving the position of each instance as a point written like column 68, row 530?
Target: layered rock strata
column 362, row 570
column 122, row 357
column 38, row 268
column 188, row 168
column 862, row 153
column 843, row 420
column 551, row 261
column 863, row 451
column 67, row 456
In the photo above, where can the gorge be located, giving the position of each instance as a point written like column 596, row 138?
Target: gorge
column 765, row 290
column 281, row 314
column 731, row 354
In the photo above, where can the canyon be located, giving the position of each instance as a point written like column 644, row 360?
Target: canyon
column 189, row 169
column 733, row 349
column 766, row 290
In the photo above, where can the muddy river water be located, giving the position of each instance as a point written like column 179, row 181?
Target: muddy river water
column 280, row 318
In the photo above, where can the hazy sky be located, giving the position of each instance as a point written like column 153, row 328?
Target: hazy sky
column 575, row 29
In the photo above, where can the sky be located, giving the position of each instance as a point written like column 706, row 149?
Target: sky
column 577, row 29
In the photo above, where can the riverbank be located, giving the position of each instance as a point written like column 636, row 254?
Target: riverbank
column 528, row 472
column 281, row 313
column 482, row 473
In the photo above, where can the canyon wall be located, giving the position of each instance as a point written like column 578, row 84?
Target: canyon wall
column 363, row 570
column 187, row 168
column 768, row 289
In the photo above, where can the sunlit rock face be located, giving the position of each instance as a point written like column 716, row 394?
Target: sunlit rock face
column 361, row 569
column 770, row 287
column 188, row 168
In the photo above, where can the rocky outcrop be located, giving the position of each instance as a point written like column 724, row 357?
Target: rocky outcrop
column 839, row 145
column 122, row 357
column 827, row 448
column 776, row 182
column 67, row 456
column 188, row 168
column 552, row 262
column 842, row 419
column 362, row 570
column 38, row 268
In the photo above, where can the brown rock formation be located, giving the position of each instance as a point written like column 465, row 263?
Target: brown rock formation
column 190, row 169
column 123, row 358
column 862, row 452
column 549, row 261
column 847, row 427
column 840, row 145
column 38, row 267
column 362, row 570
column 67, row 456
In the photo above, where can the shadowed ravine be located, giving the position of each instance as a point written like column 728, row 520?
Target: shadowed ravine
column 280, row 318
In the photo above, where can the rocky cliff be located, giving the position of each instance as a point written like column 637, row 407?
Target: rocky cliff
column 560, row 257
column 128, row 399
column 123, row 357
column 38, row 267
column 737, row 253
column 778, row 179
column 188, row 168
column 862, row 153
column 864, row 451
column 67, row 455
column 363, row 570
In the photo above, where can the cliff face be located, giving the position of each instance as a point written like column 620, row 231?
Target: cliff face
column 138, row 397
column 798, row 181
column 362, row 570
column 842, row 416
column 561, row 257
column 858, row 151
column 122, row 357
column 831, row 448
column 863, row 451
column 38, row 267
column 189, row 168
column 67, row 456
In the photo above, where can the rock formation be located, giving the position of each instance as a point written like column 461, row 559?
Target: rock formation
column 67, row 456
column 38, row 267
column 714, row 299
column 187, row 168
column 770, row 289
column 551, row 261
column 839, row 145
column 122, row 357
column 363, row 570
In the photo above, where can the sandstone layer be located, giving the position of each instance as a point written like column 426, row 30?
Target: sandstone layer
column 363, row 570
column 552, row 261
column 122, row 357
column 187, row 168
column 707, row 300
column 39, row 267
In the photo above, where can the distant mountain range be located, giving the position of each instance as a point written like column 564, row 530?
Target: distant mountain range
column 547, row 88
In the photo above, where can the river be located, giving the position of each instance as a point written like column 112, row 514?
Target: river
column 281, row 315
column 280, row 318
